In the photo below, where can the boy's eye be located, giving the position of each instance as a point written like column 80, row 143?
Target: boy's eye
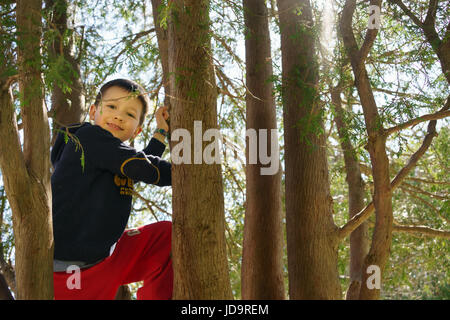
column 111, row 106
column 131, row 115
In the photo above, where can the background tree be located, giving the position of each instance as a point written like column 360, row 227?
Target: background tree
column 311, row 232
column 377, row 136
column 262, row 269
column 26, row 174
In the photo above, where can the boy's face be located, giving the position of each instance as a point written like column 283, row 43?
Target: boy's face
column 118, row 112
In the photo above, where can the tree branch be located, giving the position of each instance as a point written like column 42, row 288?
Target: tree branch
column 423, row 230
column 428, row 27
column 228, row 49
column 12, row 162
column 430, row 19
column 420, row 231
column 370, row 37
column 408, row 12
column 9, row 81
column 149, row 204
column 80, row 49
column 346, row 29
column 428, row 181
column 428, row 204
column 418, row 190
column 433, row 116
column 137, row 36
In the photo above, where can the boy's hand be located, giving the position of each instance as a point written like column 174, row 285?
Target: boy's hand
column 161, row 115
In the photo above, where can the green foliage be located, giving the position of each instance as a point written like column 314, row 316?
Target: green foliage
column 60, row 71
column 8, row 42
column 164, row 13
column 76, row 141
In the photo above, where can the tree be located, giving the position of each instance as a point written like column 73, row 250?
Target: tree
column 26, row 174
column 262, row 269
column 311, row 232
column 377, row 135
column 198, row 241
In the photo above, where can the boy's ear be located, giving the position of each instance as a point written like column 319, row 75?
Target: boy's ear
column 92, row 110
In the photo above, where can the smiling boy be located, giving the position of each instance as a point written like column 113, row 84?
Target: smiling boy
column 92, row 201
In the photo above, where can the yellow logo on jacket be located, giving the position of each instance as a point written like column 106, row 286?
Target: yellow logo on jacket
column 125, row 184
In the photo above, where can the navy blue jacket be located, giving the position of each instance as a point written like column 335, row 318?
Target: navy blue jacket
column 92, row 197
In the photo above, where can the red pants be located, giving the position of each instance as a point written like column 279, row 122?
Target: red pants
column 141, row 254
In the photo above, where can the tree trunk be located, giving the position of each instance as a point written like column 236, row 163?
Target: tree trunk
column 262, row 255
column 123, row 293
column 311, row 233
column 6, row 269
column 30, row 200
column 359, row 239
column 382, row 197
column 67, row 106
column 5, row 294
column 198, row 244
column 163, row 44
column 27, row 175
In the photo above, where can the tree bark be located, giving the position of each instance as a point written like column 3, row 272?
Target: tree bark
column 311, row 232
column 198, row 243
column 262, row 255
column 6, row 269
column 27, row 174
column 123, row 293
column 359, row 239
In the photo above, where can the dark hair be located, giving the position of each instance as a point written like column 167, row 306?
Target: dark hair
column 129, row 86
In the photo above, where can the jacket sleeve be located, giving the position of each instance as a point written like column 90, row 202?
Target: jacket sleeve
column 103, row 150
column 155, row 148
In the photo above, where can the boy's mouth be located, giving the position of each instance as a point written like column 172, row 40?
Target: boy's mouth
column 114, row 126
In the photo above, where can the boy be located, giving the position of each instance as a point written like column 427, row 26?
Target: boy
column 92, row 184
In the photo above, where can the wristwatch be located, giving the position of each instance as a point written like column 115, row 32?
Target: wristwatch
column 162, row 131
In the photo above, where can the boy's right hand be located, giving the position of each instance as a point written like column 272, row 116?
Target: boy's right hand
column 161, row 115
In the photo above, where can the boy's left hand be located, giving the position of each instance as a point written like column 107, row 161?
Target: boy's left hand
column 161, row 115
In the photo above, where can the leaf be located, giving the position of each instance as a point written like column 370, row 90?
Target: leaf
column 82, row 161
